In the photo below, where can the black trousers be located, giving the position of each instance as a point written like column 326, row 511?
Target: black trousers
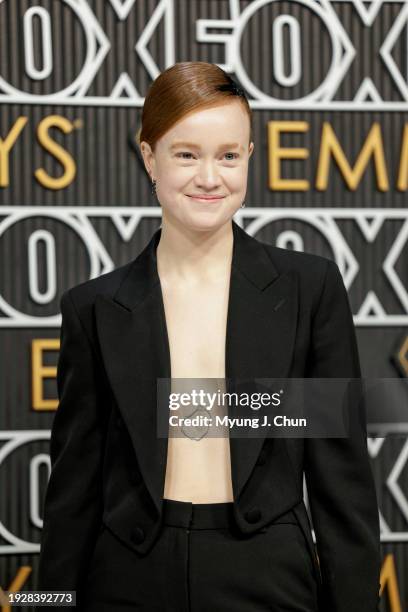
column 201, row 562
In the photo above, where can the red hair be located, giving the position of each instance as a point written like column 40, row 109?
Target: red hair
column 181, row 89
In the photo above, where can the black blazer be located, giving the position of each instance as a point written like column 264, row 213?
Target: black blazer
column 288, row 316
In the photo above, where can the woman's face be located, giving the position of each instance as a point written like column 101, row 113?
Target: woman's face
column 205, row 154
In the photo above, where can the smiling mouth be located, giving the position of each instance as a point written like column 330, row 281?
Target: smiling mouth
column 206, row 198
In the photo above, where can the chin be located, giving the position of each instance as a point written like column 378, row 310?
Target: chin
column 207, row 221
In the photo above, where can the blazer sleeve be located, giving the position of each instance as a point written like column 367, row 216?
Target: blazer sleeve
column 339, row 478
column 73, row 503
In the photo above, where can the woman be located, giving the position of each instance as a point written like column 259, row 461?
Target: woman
column 137, row 521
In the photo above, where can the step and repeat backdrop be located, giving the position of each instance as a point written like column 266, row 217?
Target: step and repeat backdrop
column 327, row 82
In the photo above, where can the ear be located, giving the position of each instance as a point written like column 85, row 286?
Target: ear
column 148, row 157
column 251, row 148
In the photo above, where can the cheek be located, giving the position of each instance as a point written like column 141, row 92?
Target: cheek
column 236, row 179
column 178, row 180
column 238, row 186
column 171, row 184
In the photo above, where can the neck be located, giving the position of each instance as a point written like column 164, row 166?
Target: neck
column 184, row 254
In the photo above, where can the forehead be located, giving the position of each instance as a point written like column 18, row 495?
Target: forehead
column 219, row 125
column 180, row 144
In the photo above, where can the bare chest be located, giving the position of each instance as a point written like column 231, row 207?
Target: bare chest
column 196, row 326
column 197, row 470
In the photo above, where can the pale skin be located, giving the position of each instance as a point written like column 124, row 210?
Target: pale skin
column 194, row 265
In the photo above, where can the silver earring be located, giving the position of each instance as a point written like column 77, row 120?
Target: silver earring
column 154, row 187
column 243, row 205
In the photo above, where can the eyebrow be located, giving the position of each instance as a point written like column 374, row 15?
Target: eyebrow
column 192, row 145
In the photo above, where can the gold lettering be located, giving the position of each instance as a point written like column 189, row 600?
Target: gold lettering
column 5, row 147
column 19, row 581
column 276, row 153
column 40, row 372
column 373, row 146
column 402, row 182
column 57, row 151
column 388, row 579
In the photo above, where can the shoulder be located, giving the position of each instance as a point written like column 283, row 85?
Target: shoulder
column 308, row 266
column 81, row 297
column 314, row 272
column 287, row 259
column 105, row 284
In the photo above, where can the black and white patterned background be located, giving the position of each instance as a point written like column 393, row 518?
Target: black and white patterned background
column 326, row 79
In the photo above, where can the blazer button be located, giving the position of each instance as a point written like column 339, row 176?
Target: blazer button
column 138, row 535
column 253, row 516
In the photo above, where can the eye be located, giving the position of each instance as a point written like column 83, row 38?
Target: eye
column 183, row 153
column 231, row 153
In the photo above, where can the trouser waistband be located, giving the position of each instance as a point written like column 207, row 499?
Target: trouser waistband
column 197, row 516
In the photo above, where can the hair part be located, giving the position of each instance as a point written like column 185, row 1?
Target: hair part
column 181, row 89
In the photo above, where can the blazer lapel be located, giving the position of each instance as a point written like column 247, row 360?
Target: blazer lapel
column 260, row 335
column 261, row 331
column 133, row 341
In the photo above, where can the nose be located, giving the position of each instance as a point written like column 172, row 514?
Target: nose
column 207, row 175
